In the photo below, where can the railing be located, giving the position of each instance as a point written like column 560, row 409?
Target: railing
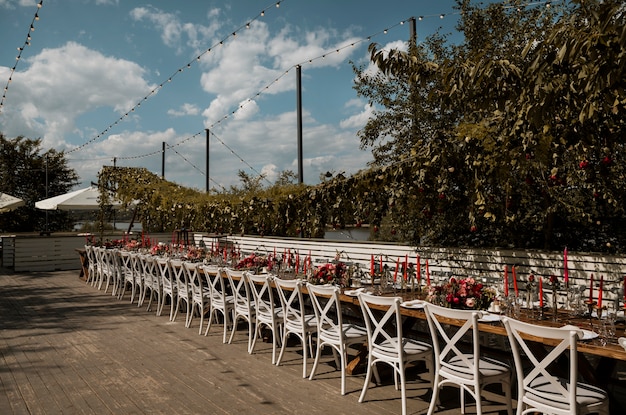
column 487, row 264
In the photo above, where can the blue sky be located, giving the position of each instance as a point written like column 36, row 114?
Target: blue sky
column 91, row 61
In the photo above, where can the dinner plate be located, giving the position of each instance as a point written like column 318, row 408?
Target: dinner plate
column 489, row 318
column 354, row 293
column 588, row 334
column 417, row 304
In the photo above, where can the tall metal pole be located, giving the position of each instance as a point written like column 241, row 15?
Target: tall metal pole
column 299, row 105
column 208, row 135
column 47, row 185
column 163, row 161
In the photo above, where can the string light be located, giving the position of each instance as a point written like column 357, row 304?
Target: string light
column 179, row 70
column 267, row 87
column 19, row 55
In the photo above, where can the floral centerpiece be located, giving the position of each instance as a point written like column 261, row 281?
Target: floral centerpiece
column 463, row 293
column 252, row 261
column 331, row 273
column 160, row 249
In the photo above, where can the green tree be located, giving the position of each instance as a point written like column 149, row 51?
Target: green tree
column 23, row 168
column 529, row 151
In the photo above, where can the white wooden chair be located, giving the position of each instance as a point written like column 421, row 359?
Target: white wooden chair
column 331, row 331
column 541, row 391
column 169, row 285
column 220, row 301
column 152, row 281
column 200, row 294
column 453, row 366
column 267, row 314
column 295, row 319
column 183, row 289
column 386, row 343
column 244, row 307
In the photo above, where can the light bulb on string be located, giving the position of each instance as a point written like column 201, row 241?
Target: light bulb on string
column 277, row 4
column 420, row 18
column 385, row 31
column 441, row 16
column 263, row 13
column 32, row 28
column 36, row 16
column 248, row 25
column 40, row 4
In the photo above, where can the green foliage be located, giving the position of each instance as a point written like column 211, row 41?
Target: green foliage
column 23, row 166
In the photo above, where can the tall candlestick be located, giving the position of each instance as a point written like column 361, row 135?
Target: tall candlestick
column 372, row 266
column 514, row 280
column 591, row 288
column 540, row 292
column 395, row 273
column 565, row 269
column 419, row 271
column 406, row 267
column 600, row 292
column 506, row 281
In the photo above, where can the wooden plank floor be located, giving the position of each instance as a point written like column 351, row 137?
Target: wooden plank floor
column 67, row 348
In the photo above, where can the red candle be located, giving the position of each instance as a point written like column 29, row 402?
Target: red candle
column 381, row 264
column 395, row 273
column 372, row 265
column 591, row 289
column 427, row 274
column 406, row 266
column 565, row 269
column 600, row 291
column 625, row 291
column 297, row 261
column 419, row 271
column 514, row 280
column 540, row 292
column 506, row 281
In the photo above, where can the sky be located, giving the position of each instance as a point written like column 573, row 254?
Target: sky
column 115, row 79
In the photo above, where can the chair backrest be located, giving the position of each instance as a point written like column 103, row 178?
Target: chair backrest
column 180, row 278
column 91, row 256
column 384, row 330
column 217, row 289
column 450, row 336
column 125, row 264
column 262, row 294
column 559, row 395
column 241, row 291
column 327, row 308
column 167, row 281
column 291, row 300
column 148, row 266
column 110, row 261
column 135, row 265
column 195, row 281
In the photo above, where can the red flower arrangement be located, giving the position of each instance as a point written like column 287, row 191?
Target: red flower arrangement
column 331, row 273
column 252, row 261
column 465, row 293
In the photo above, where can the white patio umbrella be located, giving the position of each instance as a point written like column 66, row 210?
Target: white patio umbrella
column 82, row 199
column 8, row 202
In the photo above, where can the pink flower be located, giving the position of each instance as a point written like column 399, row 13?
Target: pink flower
column 470, row 302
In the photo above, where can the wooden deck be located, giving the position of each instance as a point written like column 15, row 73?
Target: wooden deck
column 67, row 348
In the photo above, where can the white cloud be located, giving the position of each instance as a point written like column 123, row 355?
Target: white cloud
column 10, row 4
column 358, row 121
column 255, row 63
column 185, row 109
column 62, row 83
column 174, row 33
